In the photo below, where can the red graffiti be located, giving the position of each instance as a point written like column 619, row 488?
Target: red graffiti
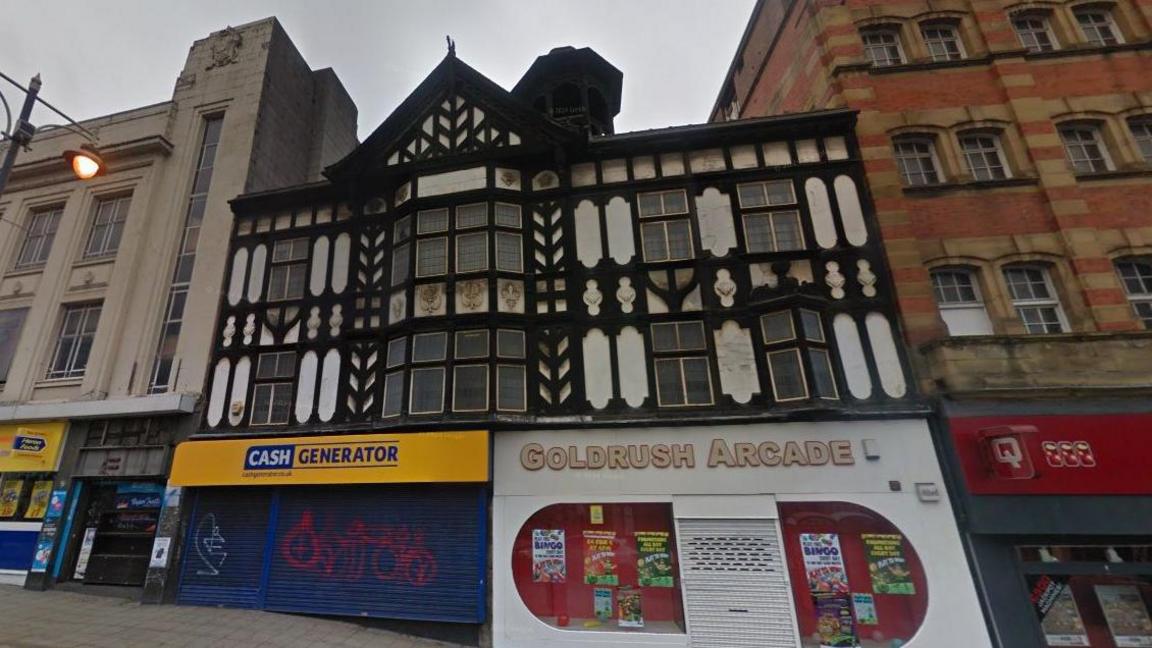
column 383, row 552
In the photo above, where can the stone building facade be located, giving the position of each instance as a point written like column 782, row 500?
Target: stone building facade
column 1008, row 147
column 109, row 290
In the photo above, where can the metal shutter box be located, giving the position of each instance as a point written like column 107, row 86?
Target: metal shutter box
column 225, row 549
column 735, row 586
column 394, row 552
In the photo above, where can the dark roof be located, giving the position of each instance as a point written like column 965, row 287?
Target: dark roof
column 567, row 60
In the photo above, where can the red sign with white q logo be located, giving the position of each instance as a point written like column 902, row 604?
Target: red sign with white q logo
column 1005, row 451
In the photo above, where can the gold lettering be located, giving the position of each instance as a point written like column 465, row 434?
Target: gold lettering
column 556, row 458
column 574, row 460
column 817, row 453
column 597, row 458
column 769, row 453
column 617, row 456
column 746, row 454
column 842, row 453
column 793, row 454
column 683, row 455
column 720, row 454
column 638, row 456
column 661, row 456
column 532, row 456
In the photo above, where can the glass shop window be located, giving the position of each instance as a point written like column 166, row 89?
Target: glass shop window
column 601, row 568
column 24, row 496
column 1090, row 595
column 856, row 579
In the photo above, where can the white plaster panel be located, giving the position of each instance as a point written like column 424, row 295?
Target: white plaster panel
column 341, row 253
column 671, row 164
column 777, row 154
column 614, row 171
column 508, row 179
column 329, row 382
column 737, row 362
column 836, row 148
column 621, row 244
column 717, row 229
column 851, row 213
column 743, row 157
column 306, row 386
column 597, row 368
column 632, row 366
column 236, row 281
column 643, row 167
column 584, row 174
column 256, row 273
column 807, row 152
column 589, row 249
column 439, row 184
column 887, row 358
column 319, row 277
column 820, row 209
column 218, row 399
column 707, row 160
column 238, row 405
column 852, row 360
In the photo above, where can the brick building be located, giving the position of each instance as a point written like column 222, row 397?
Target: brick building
column 1008, row 149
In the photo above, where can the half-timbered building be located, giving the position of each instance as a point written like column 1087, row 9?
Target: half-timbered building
column 509, row 369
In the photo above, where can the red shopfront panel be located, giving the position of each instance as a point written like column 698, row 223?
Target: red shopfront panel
column 1055, row 455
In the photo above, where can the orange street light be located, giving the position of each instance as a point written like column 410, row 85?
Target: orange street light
column 86, row 162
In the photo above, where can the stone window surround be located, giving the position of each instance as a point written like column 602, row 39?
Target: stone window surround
column 1064, row 28
column 1116, row 137
column 952, row 166
column 909, row 30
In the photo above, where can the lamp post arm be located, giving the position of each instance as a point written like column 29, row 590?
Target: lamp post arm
column 80, row 129
column 21, row 133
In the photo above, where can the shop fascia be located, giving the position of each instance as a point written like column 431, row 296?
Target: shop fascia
column 720, row 452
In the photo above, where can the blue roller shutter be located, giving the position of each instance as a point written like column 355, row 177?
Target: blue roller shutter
column 225, row 548
column 393, row 552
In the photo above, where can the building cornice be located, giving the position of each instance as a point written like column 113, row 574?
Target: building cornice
column 174, row 403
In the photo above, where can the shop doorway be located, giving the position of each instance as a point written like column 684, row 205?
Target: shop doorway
column 113, row 530
column 735, row 584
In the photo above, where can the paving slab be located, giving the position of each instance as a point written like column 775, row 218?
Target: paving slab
column 55, row 619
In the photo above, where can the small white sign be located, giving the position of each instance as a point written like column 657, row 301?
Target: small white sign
column 85, row 552
column 160, row 552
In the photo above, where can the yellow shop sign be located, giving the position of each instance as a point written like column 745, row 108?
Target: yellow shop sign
column 420, row 457
column 31, row 447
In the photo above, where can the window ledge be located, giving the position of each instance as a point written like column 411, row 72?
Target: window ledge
column 1114, row 174
column 94, row 261
column 944, row 187
column 1074, row 49
column 26, row 271
column 58, row 382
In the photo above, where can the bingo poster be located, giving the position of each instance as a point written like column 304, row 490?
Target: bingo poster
column 824, row 563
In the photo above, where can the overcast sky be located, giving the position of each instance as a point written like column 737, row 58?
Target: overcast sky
column 101, row 57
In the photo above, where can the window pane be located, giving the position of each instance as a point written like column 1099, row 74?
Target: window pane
column 429, row 347
column 786, row 229
column 427, row 391
column 777, row 327
column 655, row 242
column 77, row 332
column 679, row 239
column 882, row 47
column 393, row 393
column 402, row 230
column 510, row 388
column 293, row 250
column 787, row 375
column 1033, row 33
column 1040, row 319
column 675, row 202
column 1142, row 132
column 1137, row 276
column 396, row 350
column 261, row 404
column 758, row 233
column 507, row 215
column 752, row 195
column 697, row 382
column 822, row 373
column 400, row 260
column 1097, row 27
column 472, row 252
column 942, row 42
column 982, row 154
column 509, row 252
column 432, row 220
column 1083, row 148
column 431, row 257
column 474, row 215
column 11, row 322
column 472, row 344
column 916, row 162
column 650, row 204
column 509, row 343
column 669, row 382
column 664, row 337
column 1027, row 284
column 281, row 403
column 810, row 322
column 954, row 287
column 691, row 336
column 470, row 388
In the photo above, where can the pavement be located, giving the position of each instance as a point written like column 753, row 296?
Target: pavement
column 56, row 619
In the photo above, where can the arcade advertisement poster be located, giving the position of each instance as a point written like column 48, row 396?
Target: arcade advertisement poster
column 548, row 563
column 1056, row 607
column 887, row 564
column 10, row 497
column 1126, row 615
column 824, row 563
column 600, row 558
column 38, row 502
column 834, row 624
column 653, row 561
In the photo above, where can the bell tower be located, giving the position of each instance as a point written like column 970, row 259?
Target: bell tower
column 575, row 87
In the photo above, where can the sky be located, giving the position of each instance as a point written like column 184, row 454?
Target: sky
column 97, row 58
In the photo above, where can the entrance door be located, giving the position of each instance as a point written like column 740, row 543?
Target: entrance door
column 735, row 584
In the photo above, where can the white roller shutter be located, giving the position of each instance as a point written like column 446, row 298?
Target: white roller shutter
column 735, row 585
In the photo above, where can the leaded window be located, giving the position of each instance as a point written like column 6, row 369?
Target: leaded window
column 1034, row 298
column 1085, row 148
column 682, row 366
column 882, row 46
column 272, row 391
column 1136, row 275
column 289, row 270
column 916, row 159
column 1034, row 32
column 943, row 42
column 1141, row 128
column 797, row 356
column 983, row 155
column 1097, row 26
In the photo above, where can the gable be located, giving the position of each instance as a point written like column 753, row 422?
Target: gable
column 454, row 126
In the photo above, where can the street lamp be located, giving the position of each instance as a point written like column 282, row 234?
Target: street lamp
column 86, row 162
